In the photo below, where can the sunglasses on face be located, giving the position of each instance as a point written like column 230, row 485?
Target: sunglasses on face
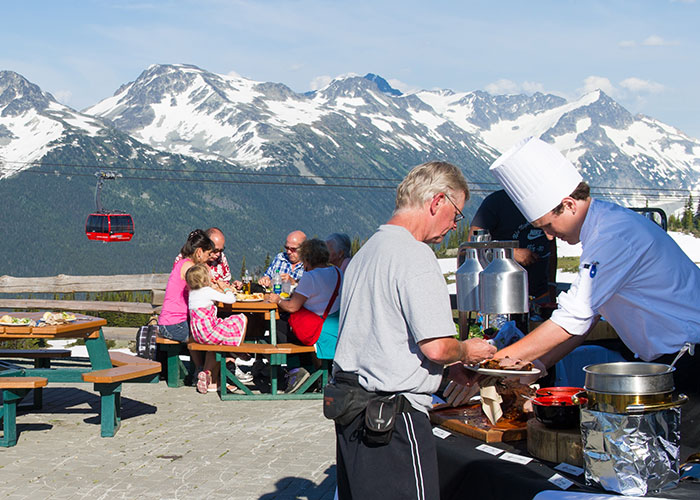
column 291, row 249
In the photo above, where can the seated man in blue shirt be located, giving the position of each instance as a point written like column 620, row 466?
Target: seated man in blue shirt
column 287, row 263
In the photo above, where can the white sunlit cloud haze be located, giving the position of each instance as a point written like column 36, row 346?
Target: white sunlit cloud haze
column 643, row 54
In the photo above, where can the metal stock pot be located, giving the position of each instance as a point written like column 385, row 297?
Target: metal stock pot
column 630, row 387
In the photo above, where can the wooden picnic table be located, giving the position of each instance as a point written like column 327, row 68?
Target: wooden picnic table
column 269, row 310
column 105, row 372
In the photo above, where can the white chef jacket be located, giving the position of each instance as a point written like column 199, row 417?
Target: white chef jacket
column 635, row 276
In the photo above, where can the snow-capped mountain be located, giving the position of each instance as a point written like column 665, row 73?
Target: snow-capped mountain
column 257, row 159
column 609, row 145
column 32, row 123
column 184, row 109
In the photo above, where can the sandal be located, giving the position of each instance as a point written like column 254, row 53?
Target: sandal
column 232, row 389
column 203, row 381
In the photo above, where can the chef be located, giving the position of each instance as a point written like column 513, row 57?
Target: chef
column 631, row 272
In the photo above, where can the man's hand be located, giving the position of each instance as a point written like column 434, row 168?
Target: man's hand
column 476, row 350
column 524, row 256
column 464, row 384
column 287, row 277
column 448, row 350
column 265, row 281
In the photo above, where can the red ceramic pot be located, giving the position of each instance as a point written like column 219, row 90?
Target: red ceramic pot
column 558, row 391
column 557, row 412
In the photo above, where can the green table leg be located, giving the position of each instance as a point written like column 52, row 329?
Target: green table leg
column 175, row 368
column 110, row 408
column 273, row 328
column 10, row 398
column 98, row 353
column 227, row 376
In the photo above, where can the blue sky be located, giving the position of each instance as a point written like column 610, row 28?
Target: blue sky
column 644, row 54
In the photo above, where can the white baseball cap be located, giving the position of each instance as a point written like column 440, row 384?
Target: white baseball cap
column 536, row 176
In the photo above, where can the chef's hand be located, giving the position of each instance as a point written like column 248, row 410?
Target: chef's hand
column 524, row 256
column 476, row 350
column 463, row 385
column 531, row 379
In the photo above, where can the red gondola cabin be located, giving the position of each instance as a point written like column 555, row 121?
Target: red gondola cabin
column 109, row 227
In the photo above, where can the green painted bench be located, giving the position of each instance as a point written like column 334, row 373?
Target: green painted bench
column 42, row 359
column 108, row 382
column 13, row 391
column 174, row 369
column 278, row 356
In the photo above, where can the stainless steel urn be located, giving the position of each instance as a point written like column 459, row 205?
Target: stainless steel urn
column 467, row 277
column 503, row 285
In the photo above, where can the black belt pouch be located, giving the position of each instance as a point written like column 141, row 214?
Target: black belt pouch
column 380, row 417
column 344, row 399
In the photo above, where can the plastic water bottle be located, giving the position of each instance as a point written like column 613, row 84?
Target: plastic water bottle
column 277, row 283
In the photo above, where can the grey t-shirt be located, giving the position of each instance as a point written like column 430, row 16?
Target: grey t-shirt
column 394, row 296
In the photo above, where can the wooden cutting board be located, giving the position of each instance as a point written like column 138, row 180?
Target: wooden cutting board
column 455, row 420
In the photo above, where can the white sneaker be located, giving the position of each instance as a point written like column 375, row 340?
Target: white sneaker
column 243, row 377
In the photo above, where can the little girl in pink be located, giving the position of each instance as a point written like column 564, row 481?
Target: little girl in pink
column 205, row 326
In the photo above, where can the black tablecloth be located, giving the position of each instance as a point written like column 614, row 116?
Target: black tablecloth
column 466, row 472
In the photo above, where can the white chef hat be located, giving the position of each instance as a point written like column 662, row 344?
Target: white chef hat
column 536, row 176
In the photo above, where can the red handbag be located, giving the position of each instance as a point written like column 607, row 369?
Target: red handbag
column 306, row 324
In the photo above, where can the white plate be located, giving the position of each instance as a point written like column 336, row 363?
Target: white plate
column 14, row 324
column 249, row 300
column 502, row 373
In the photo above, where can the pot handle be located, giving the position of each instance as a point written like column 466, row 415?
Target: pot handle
column 575, row 399
column 682, row 399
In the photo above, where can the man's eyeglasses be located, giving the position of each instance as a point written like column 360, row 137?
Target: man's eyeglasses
column 291, row 249
column 459, row 215
column 218, row 250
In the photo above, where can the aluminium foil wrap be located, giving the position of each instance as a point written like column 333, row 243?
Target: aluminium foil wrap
column 631, row 454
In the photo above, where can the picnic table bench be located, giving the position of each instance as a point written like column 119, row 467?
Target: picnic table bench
column 13, row 391
column 278, row 356
column 42, row 359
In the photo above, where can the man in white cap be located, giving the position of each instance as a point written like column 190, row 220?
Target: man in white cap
column 631, row 272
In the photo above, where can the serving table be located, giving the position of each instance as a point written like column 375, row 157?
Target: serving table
column 102, row 372
column 466, row 472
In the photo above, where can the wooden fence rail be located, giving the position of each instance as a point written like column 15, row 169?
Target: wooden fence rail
column 68, row 284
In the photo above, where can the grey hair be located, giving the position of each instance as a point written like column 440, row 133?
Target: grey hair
column 342, row 243
column 426, row 180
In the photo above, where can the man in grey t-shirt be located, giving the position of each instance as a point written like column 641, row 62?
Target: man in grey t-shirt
column 397, row 335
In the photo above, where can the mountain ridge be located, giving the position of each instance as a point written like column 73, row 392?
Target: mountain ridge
column 200, row 149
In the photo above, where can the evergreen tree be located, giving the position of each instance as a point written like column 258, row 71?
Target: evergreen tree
column 687, row 220
column 243, row 267
column 673, row 223
column 267, row 261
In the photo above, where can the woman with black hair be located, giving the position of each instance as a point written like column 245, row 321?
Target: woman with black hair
column 172, row 321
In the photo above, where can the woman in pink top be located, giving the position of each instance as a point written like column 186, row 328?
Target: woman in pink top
column 172, row 320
